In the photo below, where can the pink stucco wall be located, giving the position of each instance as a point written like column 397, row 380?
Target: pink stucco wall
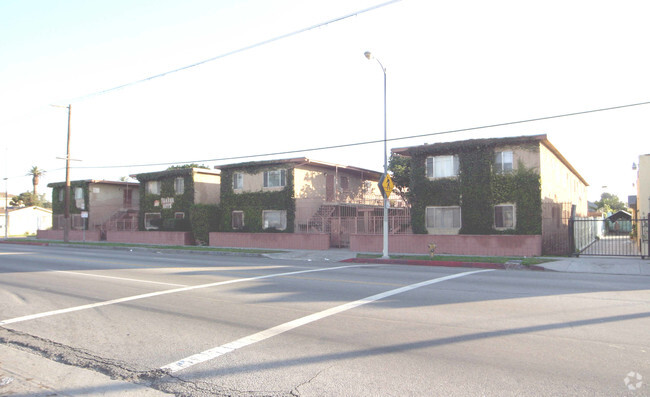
column 151, row 237
column 75, row 235
column 488, row 245
column 271, row 240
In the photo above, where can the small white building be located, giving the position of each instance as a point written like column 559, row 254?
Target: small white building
column 25, row 221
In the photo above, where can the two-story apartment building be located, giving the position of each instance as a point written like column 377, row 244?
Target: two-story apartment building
column 514, row 185
column 167, row 196
column 109, row 205
column 296, row 195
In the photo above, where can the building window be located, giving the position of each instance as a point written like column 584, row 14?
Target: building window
column 237, row 220
column 345, row 183
column 443, row 217
column 442, row 166
column 504, row 216
column 179, row 215
column 153, row 187
column 61, row 194
column 274, row 220
column 152, row 220
column 237, row 181
column 179, row 185
column 277, row 178
column 78, row 193
column 503, row 162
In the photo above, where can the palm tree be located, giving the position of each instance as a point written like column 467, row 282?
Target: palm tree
column 36, row 173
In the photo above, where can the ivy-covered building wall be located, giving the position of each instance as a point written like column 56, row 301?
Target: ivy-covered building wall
column 483, row 186
column 167, row 197
column 258, row 197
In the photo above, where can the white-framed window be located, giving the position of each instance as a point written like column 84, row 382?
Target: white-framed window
column 275, row 178
column 179, row 185
column 442, row 166
column 179, row 215
column 61, row 194
column 274, row 219
column 443, row 217
column 237, row 180
column 237, row 220
column 152, row 220
column 153, row 187
column 504, row 216
column 78, row 193
column 503, row 162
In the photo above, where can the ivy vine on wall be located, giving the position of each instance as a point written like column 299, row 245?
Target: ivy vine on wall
column 182, row 202
column 253, row 203
column 476, row 190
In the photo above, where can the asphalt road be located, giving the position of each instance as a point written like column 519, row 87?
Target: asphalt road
column 194, row 324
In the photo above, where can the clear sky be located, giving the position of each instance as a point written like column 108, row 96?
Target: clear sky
column 450, row 65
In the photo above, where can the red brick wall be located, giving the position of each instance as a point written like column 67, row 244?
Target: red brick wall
column 158, row 238
column 271, row 240
column 488, row 245
column 75, row 235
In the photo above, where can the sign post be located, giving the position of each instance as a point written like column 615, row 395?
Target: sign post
column 84, row 216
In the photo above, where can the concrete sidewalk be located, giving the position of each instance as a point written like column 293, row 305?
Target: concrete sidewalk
column 582, row 264
column 601, row 265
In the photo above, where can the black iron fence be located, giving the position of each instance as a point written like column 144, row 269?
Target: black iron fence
column 590, row 236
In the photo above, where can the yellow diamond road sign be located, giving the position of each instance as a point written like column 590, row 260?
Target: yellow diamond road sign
column 386, row 185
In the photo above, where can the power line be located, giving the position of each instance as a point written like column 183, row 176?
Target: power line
column 233, row 52
column 376, row 141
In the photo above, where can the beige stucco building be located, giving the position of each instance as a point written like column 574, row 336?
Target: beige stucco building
column 464, row 166
column 299, row 195
column 96, row 204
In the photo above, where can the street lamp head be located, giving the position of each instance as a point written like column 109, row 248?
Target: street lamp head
column 368, row 54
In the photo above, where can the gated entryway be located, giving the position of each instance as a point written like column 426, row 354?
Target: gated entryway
column 627, row 237
column 564, row 234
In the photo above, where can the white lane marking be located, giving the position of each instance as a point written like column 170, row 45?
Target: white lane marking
column 288, row 326
column 159, row 293
column 16, row 253
column 118, row 278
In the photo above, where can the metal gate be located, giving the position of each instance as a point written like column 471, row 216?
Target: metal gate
column 606, row 238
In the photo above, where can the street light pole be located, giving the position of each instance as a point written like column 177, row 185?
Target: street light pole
column 368, row 55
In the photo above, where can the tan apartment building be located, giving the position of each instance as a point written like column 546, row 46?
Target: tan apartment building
column 167, row 196
column 298, row 195
column 96, row 204
column 512, row 185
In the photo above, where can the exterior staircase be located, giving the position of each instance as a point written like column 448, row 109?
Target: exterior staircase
column 319, row 222
column 121, row 220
